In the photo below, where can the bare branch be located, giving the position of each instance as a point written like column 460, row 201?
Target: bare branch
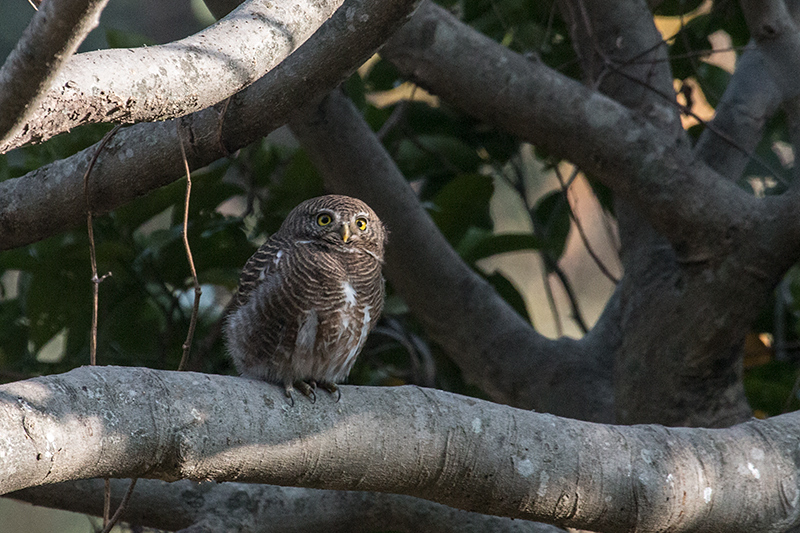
column 122, row 422
column 198, row 291
column 54, row 33
column 494, row 346
column 161, row 82
column 750, row 99
column 179, row 505
column 144, row 157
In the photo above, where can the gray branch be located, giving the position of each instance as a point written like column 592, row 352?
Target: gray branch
column 144, row 157
column 493, row 345
column 684, row 200
column 207, row 506
column 457, row 451
column 172, row 80
column 53, row 35
column 750, row 99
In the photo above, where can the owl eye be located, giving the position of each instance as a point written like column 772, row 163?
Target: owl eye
column 324, row 219
column 361, row 223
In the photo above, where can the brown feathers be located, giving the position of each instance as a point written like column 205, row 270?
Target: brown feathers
column 309, row 296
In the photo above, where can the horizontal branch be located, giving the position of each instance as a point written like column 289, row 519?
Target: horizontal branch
column 171, row 80
column 144, row 157
column 683, row 199
column 179, row 505
column 493, row 345
column 458, row 451
column 53, row 35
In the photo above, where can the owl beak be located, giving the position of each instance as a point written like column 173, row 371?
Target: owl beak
column 345, row 231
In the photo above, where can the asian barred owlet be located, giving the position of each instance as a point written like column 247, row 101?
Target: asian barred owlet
column 309, row 296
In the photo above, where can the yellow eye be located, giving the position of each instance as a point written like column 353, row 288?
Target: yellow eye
column 361, row 223
column 324, row 219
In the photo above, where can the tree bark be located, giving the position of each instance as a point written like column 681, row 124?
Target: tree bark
column 144, row 157
column 215, row 507
column 458, row 451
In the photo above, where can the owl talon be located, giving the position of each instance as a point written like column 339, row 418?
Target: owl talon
column 287, row 390
column 332, row 388
column 307, row 390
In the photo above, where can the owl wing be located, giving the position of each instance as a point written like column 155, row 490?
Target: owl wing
column 258, row 268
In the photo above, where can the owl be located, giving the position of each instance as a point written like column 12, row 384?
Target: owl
column 309, row 296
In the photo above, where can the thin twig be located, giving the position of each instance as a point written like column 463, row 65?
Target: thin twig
column 107, row 526
column 198, row 291
column 549, row 293
column 33, row 5
column 106, row 502
column 92, row 249
column 96, row 283
column 584, row 238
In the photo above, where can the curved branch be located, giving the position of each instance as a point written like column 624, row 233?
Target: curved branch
column 645, row 165
column 173, row 506
column 144, row 157
column 458, row 451
column 161, row 82
column 493, row 345
column 53, row 35
column 750, row 99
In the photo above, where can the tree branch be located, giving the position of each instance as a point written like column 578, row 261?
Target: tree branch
column 644, row 164
column 492, row 344
column 160, row 82
column 147, row 156
column 458, row 451
column 750, row 99
column 53, row 35
column 179, row 505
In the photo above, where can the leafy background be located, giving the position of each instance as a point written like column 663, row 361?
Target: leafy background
column 497, row 201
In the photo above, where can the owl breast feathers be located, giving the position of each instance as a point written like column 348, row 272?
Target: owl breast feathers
column 309, row 296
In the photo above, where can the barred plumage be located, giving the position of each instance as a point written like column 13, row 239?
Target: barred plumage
column 309, row 296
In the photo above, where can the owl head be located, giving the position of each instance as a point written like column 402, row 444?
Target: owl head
column 342, row 222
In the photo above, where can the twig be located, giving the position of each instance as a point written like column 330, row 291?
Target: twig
column 33, row 5
column 549, row 293
column 108, row 525
column 198, row 291
column 106, row 501
column 584, row 238
column 92, row 249
column 96, row 282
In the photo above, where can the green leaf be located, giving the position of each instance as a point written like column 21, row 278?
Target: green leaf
column 676, row 8
column 481, row 244
column 462, row 204
column 509, row 293
column 552, row 222
column 127, row 39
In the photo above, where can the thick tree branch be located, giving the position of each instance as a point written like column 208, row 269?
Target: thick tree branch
column 270, row 509
column 161, row 82
column 684, row 200
column 750, row 99
column 492, row 344
column 462, row 452
column 146, row 156
column 53, row 35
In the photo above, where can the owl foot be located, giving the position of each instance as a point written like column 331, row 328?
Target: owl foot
column 331, row 388
column 308, row 389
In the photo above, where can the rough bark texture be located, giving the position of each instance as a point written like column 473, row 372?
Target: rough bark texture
column 53, row 35
column 465, row 453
